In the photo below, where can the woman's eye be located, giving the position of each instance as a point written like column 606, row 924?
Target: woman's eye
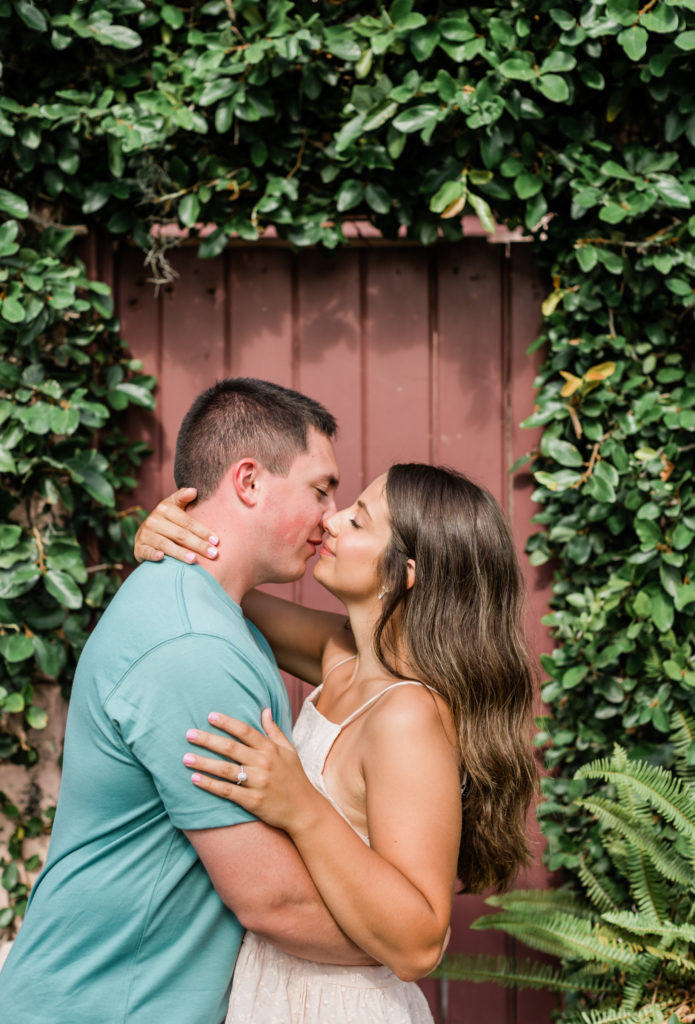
column 354, row 523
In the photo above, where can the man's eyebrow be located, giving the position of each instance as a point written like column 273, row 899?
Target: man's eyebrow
column 361, row 504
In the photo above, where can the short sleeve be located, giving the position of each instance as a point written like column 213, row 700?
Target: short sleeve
column 173, row 689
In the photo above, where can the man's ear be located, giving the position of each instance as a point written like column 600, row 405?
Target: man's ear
column 242, row 477
column 410, row 574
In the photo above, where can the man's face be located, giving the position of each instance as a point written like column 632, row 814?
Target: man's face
column 294, row 507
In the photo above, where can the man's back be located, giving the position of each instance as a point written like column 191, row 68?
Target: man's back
column 123, row 923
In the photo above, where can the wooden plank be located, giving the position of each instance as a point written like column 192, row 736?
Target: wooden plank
column 396, row 384
column 469, row 415
column 261, row 315
column 139, row 312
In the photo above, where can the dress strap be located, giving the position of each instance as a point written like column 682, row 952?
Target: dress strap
column 343, row 661
column 375, row 698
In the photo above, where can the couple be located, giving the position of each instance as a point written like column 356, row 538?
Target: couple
column 416, row 763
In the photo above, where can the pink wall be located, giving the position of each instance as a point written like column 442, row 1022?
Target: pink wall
column 421, row 355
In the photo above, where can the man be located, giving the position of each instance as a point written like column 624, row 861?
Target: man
column 138, row 914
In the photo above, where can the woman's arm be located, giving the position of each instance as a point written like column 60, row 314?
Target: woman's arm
column 393, row 899
column 297, row 635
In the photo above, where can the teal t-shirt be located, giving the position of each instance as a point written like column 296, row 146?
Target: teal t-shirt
column 123, row 925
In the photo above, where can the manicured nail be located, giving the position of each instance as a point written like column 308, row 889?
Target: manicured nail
column 189, row 556
column 191, row 734
column 214, row 539
column 212, row 552
column 195, row 778
column 214, row 717
column 188, row 758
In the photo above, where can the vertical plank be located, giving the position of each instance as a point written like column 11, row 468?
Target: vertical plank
column 261, row 314
column 139, row 312
column 193, row 330
column 470, row 413
column 396, row 371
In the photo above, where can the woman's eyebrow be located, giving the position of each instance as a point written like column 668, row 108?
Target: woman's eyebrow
column 361, row 504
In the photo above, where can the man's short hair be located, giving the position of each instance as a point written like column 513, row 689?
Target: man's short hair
column 239, row 417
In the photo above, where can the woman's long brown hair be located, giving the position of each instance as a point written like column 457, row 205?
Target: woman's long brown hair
column 459, row 630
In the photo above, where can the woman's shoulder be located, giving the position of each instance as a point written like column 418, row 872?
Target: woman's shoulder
column 411, row 706
column 340, row 646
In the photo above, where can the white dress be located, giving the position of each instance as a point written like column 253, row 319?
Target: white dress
column 272, row 987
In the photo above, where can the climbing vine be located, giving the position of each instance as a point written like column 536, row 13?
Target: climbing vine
column 231, row 118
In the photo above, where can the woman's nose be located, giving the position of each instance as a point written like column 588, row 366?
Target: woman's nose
column 330, row 521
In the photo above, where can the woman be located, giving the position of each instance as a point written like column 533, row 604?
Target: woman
column 416, row 744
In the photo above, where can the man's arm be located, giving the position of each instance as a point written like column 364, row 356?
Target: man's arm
column 259, row 875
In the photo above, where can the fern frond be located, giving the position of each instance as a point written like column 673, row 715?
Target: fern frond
column 600, row 890
column 509, row 972
column 682, row 736
column 642, row 924
column 646, row 885
column 636, row 980
column 541, row 901
column 685, row 963
column 661, row 788
column 615, row 817
column 645, row 1015
column 565, row 936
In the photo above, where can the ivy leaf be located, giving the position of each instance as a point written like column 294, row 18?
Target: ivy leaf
column 562, row 451
column 16, row 647
column 558, row 60
column 31, row 16
column 685, row 40
column 350, row 194
column 634, row 41
column 412, row 119
column 527, row 185
column 13, row 204
column 516, row 68
column 116, row 35
column 377, row 198
column 483, row 212
column 63, row 588
column 189, row 208
column 554, row 88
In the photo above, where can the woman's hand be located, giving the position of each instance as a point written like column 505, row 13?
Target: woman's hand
column 261, row 773
column 169, row 531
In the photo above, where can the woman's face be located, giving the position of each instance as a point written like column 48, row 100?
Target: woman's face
column 356, row 538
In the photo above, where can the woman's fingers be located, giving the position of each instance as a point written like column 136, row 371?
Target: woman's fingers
column 228, row 790
column 228, row 771
column 230, row 749
column 273, row 731
column 235, row 727
column 171, row 531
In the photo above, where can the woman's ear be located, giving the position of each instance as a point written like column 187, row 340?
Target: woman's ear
column 410, row 574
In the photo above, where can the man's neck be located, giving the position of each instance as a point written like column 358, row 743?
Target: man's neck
column 233, row 568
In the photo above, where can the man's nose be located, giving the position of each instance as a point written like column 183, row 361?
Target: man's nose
column 328, row 519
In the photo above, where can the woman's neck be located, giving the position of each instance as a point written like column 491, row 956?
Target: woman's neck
column 363, row 622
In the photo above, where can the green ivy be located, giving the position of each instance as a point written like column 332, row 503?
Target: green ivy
column 574, row 122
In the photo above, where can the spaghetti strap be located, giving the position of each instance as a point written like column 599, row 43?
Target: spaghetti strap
column 344, row 661
column 372, row 700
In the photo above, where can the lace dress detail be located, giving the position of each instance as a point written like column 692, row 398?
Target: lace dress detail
column 272, row 987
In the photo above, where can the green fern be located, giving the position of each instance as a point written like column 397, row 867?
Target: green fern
column 512, row 973
column 565, row 935
column 638, row 834
column 645, row 1015
column 642, row 924
column 683, row 740
column 600, row 890
column 661, row 788
column 646, row 885
column 540, row 901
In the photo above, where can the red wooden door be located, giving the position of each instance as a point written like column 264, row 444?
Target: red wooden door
column 421, row 355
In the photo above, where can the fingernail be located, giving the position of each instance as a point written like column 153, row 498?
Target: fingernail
column 188, row 758
column 191, row 734
column 195, row 778
column 190, row 557
column 214, row 539
column 213, row 717
column 212, row 552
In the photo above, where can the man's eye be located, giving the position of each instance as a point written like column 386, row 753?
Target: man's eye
column 324, row 494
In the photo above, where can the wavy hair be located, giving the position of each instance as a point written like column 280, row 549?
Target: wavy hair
column 459, row 629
